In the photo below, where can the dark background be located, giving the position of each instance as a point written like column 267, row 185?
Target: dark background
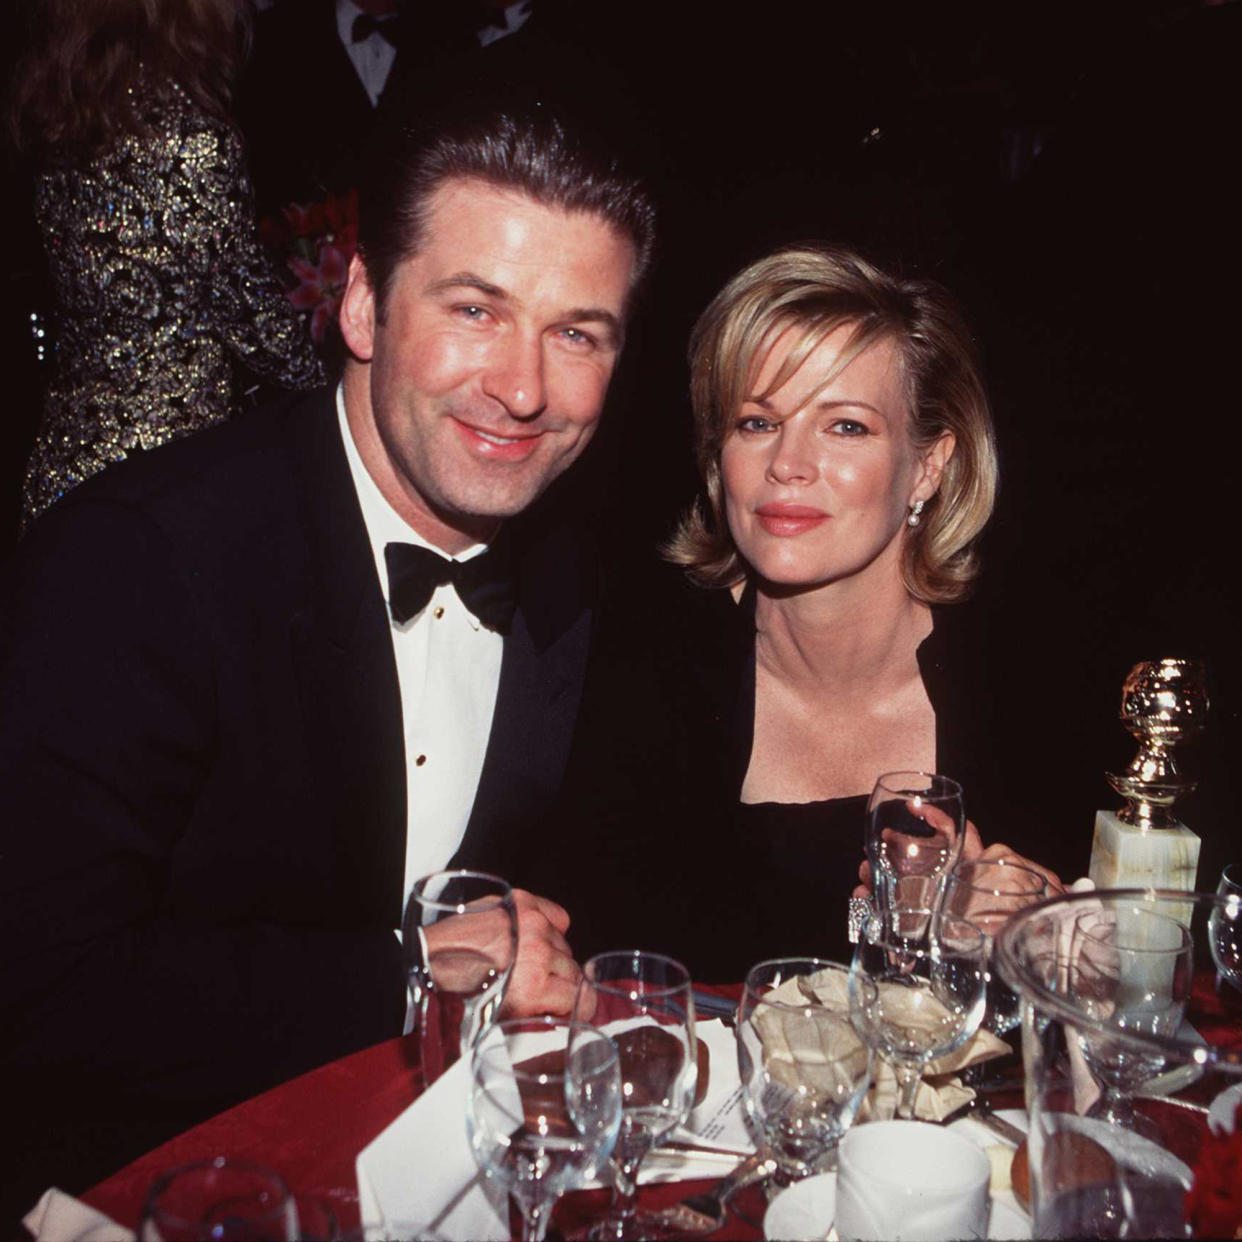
column 1067, row 171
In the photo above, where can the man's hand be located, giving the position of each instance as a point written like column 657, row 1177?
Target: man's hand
column 465, row 949
column 545, row 976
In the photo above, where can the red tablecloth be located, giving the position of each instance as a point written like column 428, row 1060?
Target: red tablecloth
column 311, row 1129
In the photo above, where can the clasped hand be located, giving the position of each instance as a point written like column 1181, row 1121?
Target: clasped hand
column 545, row 975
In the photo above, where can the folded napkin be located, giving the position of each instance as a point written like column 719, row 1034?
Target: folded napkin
column 419, row 1177
column 940, row 1092
column 59, row 1217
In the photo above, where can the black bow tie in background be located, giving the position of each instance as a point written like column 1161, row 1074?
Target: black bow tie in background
column 486, row 583
column 365, row 25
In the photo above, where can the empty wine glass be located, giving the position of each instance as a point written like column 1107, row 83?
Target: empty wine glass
column 1225, row 927
column 459, row 937
column 1130, row 968
column 543, row 1111
column 988, row 894
column 219, row 1200
column 645, row 1003
column 803, row 1066
column 916, row 989
column 915, row 824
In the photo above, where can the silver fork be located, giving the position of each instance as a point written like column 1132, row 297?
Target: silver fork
column 705, row 1213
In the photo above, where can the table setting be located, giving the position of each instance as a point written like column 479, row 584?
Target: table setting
column 997, row 1060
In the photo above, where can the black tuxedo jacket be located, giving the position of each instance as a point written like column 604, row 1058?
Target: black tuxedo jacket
column 202, row 787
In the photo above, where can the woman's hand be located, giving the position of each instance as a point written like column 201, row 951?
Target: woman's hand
column 973, row 849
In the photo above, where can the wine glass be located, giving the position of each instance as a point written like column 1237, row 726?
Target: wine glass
column 1130, row 968
column 803, row 1067
column 915, row 824
column 459, row 938
column 543, row 1111
column 644, row 1001
column 219, row 1200
column 916, row 989
column 988, row 894
column 1225, row 927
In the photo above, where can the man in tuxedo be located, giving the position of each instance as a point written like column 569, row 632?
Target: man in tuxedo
column 254, row 684
column 320, row 69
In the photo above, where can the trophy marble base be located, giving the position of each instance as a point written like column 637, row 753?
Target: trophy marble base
column 1123, row 856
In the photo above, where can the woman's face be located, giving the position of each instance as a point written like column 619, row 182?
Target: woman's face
column 818, row 480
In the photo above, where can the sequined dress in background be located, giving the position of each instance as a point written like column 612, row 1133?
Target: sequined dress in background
column 161, row 286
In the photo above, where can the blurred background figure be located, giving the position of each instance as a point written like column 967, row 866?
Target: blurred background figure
column 166, row 309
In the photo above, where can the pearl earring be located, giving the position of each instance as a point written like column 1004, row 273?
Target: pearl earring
column 915, row 510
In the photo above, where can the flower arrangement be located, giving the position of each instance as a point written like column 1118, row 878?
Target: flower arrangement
column 316, row 241
column 1214, row 1200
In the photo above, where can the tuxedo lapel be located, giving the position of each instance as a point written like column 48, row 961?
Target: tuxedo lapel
column 541, row 677
column 347, row 675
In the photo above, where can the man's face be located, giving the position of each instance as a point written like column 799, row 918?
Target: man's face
column 488, row 372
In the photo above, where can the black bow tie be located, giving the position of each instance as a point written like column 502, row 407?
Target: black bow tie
column 366, row 24
column 485, row 583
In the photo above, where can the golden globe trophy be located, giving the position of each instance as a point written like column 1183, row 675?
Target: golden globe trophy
column 1163, row 702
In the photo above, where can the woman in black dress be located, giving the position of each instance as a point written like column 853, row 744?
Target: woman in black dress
column 734, row 727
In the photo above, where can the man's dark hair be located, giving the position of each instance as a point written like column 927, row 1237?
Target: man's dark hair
column 527, row 148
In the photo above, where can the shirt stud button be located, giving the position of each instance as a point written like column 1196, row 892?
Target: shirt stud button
column 418, row 763
column 439, row 612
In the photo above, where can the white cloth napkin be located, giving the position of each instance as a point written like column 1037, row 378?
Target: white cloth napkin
column 940, row 1091
column 419, row 1178
column 59, row 1217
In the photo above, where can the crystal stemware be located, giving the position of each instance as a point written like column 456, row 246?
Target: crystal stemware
column 1225, row 927
column 219, row 1200
column 644, row 1001
column 543, row 1111
column 915, row 825
column 459, row 936
column 1130, row 969
column 988, row 894
column 803, row 1066
column 916, row 989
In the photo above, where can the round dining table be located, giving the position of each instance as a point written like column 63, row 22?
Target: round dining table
column 311, row 1128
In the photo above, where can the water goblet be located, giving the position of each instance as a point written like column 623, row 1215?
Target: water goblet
column 917, row 990
column 459, row 937
column 219, row 1200
column 1130, row 969
column 543, row 1111
column 644, row 1001
column 1225, row 927
column 804, row 1069
column 988, row 894
column 915, row 826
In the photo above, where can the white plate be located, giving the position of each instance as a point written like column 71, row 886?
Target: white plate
column 1224, row 1108
column 804, row 1212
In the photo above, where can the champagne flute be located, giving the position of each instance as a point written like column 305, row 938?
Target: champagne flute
column 803, row 1067
column 543, row 1111
column 988, row 894
column 916, row 990
column 1225, row 926
column 645, row 1003
column 915, row 827
column 459, row 937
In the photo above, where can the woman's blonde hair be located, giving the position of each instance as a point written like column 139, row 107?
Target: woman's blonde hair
column 820, row 288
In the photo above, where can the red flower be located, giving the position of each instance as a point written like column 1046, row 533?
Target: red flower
column 1214, row 1201
column 320, row 287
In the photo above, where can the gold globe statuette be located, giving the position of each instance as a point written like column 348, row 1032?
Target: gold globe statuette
column 1163, row 703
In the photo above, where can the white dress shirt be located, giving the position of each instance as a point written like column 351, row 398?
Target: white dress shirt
column 372, row 57
column 448, row 667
